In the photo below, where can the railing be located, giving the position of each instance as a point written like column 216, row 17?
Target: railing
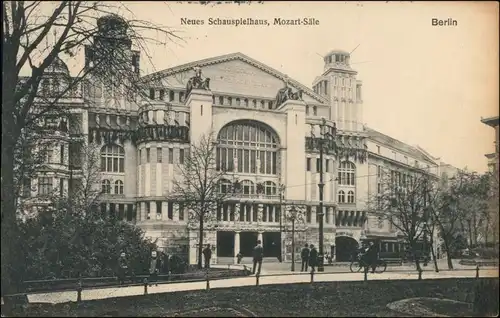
column 144, row 280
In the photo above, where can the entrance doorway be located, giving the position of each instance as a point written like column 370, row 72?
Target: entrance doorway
column 248, row 240
column 225, row 244
column 345, row 247
column 271, row 244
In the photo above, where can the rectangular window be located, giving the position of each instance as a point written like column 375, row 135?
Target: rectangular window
column 158, row 209
column 151, row 93
column 170, row 210
column 45, row 185
column 148, row 153
column 148, row 211
column 162, row 94
column 62, row 155
column 327, row 165
column 308, row 164
column 171, row 96
column 181, row 211
column 181, row 156
column 61, row 187
column 170, row 155
column 158, row 154
column 121, row 211
column 50, row 155
column 318, row 165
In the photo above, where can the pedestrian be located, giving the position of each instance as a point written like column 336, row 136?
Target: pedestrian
column 153, row 269
column 258, row 254
column 304, row 255
column 313, row 257
column 122, row 268
column 371, row 256
column 239, row 257
column 207, row 255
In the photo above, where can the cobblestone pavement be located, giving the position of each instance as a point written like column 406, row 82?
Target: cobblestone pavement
column 265, row 279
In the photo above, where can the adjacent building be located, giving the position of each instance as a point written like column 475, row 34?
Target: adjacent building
column 266, row 125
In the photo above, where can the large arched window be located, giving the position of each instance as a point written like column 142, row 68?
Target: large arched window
column 112, row 159
column 106, row 186
column 270, row 188
column 350, row 197
column 118, row 187
column 224, row 186
column 347, row 173
column 341, row 196
column 248, row 187
column 248, row 147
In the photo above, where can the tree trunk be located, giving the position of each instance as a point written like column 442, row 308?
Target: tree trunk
column 448, row 253
column 434, row 255
column 415, row 253
column 200, row 242
column 11, row 254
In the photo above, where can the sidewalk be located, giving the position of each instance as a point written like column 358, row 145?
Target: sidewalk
column 286, row 278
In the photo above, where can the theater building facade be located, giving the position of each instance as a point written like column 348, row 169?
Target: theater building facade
column 265, row 125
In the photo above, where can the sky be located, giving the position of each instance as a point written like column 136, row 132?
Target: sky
column 422, row 84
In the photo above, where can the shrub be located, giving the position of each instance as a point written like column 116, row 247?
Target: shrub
column 486, row 297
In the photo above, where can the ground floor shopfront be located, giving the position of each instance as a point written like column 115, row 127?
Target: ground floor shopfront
column 339, row 243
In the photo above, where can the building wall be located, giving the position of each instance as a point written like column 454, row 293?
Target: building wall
column 241, row 90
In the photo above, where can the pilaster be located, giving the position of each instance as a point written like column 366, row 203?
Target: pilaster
column 164, row 211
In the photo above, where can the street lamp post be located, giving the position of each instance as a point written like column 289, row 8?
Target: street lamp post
column 327, row 135
column 293, row 217
column 282, row 194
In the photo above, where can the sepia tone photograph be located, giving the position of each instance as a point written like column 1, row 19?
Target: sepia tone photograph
column 250, row 159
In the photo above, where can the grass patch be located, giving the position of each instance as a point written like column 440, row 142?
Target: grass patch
column 322, row 299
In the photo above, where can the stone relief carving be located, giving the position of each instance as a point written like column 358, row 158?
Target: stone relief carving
column 197, row 82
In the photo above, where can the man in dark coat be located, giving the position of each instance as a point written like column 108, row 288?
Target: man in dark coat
column 258, row 255
column 207, row 255
column 122, row 267
column 313, row 257
column 371, row 256
column 304, row 255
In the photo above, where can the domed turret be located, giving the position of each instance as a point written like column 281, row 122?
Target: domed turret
column 112, row 26
column 339, row 59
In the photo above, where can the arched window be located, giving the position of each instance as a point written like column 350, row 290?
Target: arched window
column 347, row 173
column 253, row 146
column 350, row 197
column 224, row 186
column 112, row 159
column 341, row 196
column 246, row 102
column 270, row 188
column 248, row 187
column 254, row 103
column 106, row 186
column 118, row 187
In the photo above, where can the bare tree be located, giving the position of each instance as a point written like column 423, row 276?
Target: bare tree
column 35, row 36
column 198, row 185
column 403, row 200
